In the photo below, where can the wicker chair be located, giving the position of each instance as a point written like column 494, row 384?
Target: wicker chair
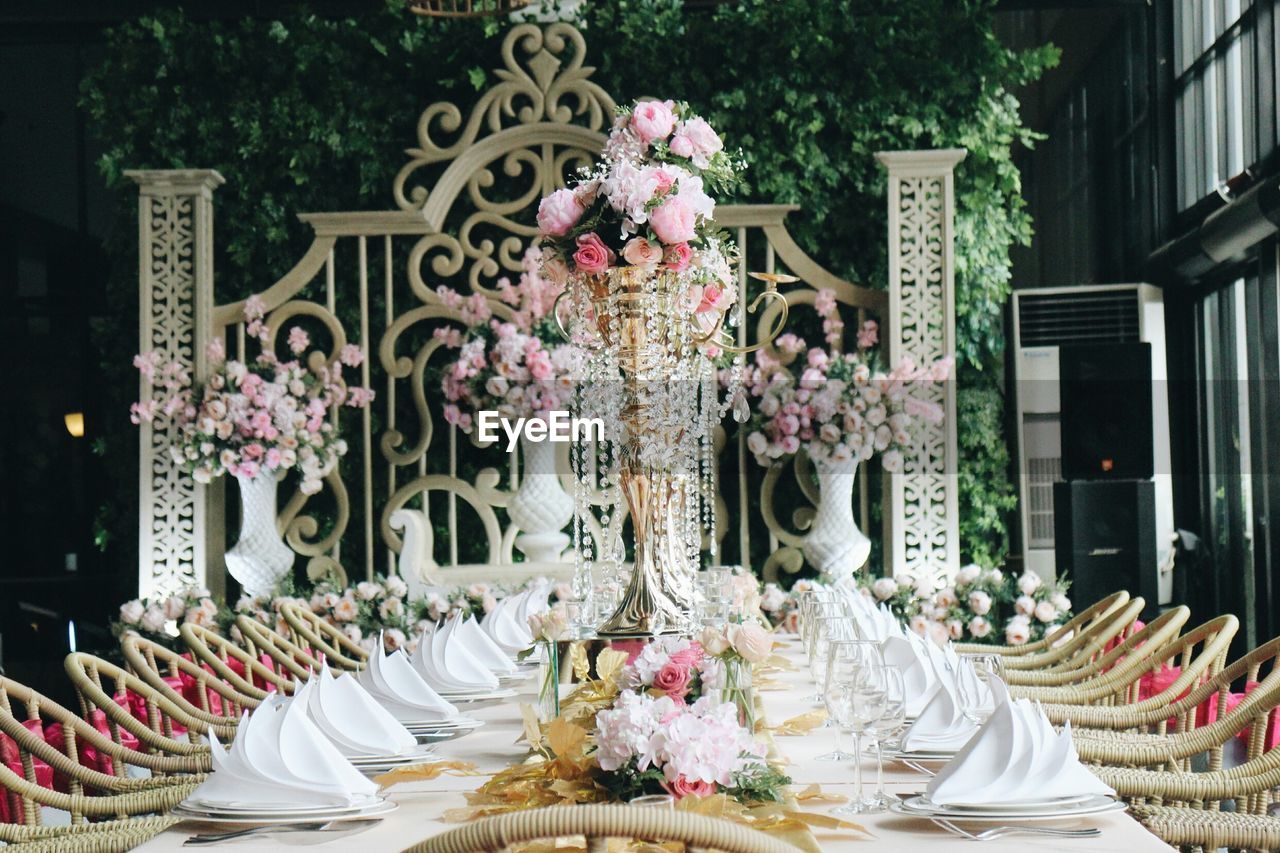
column 83, row 791
column 166, row 720
column 1117, row 670
column 217, row 652
column 295, row 661
column 310, row 630
column 1043, row 650
column 1078, row 652
column 599, row 823
column 1210, row 830
column 1138, row 736
column 219, row 702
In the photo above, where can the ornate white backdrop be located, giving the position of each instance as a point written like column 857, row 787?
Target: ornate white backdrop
column 544, row 119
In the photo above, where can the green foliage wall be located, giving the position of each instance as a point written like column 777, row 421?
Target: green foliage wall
column 306, row 113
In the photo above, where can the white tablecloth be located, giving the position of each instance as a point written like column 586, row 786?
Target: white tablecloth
column 494, row 747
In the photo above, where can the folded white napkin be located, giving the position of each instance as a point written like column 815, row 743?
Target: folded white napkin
column 351, row 718
column 483, row 648
column 1015, row 757
column 446, row 662
column 279, row 757
column 911, row 656
column 506, row 627
column 941, row 725
column 392, row 680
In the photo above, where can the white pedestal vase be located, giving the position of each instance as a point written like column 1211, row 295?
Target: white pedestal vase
column 835, row 545
column 260, row 558
column 540, row 507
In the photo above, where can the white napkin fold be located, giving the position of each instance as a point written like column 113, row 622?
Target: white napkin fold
column 483, row 648
column 279, row 757
column 351, row 718
column 941, row 724
column 447, row 664
column 392, row 680
column 505, row 626
column 1015, row 757
column 911, row 656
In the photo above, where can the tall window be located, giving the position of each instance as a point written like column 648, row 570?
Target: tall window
column 1215, row 93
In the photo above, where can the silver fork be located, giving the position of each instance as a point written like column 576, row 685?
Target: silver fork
column 918, row 767
column 328, row 826
column 1001, row 831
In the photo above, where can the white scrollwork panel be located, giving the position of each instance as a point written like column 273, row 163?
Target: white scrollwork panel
column 924, row 514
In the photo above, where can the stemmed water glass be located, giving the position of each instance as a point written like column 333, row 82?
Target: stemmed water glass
column 973, row 685
column 864, row 694
column 841, row 653
column 889, row 726
column 824, row 630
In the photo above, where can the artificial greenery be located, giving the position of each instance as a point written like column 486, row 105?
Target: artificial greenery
column 307, row 113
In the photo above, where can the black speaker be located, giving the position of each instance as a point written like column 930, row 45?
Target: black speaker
column 1105, row 540
column 1106, row 411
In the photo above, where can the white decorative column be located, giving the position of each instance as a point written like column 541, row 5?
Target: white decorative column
column 177, row 544
column 924, row 514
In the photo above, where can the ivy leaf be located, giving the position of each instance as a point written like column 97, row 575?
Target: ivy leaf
column 477, row 78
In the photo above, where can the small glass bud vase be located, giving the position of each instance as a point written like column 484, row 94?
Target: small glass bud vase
column 548, row 682
column 739, row 690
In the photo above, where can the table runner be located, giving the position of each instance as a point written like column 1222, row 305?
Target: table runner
column 494, row 747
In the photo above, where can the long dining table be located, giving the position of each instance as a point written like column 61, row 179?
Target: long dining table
column 785, row 695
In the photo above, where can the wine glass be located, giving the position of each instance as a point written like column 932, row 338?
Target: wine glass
column 842, row 653
column 824, row 630
column 974, row 678
column 889, row 725
column 865, row 695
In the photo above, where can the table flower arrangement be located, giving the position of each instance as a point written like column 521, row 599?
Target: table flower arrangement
column 842, row 409
column 254, row 420
column 548, row 629
column 730, row 651
column 158, row 618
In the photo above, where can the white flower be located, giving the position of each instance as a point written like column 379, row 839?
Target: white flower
column 884, row 588
column 968, row 575
column 946, row 598
column 153, row 619
column 1025, row 605
column 1029, row 583
column 396, row 586
column 368, row 590
column 1016, row 632
column 955, row 629
column 979, row 627
column 1046, row 612
column 131, row 612
column 174, row 607
column 979, row 603
column 919, row 624
column 1061, row 602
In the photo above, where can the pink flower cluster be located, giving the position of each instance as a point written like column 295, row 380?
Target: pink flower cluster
column 699, row 748
column 650, row 188
column 257, row 418
column 669, row 665
column 837, row 406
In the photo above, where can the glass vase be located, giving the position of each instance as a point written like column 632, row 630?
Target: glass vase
column 548, row 683
column 739, row 690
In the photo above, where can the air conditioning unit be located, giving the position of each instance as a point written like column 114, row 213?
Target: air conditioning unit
column 1045, row 319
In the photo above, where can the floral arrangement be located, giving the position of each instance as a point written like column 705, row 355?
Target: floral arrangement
column 670, row 666
column 840, row 408
column 655, row 745
column 158, row 618
column 252, row 418
column 779, row 606
column 646, row 204
column 519, row 367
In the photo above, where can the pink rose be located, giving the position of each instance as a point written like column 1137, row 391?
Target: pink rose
column 593, row 256
column 652, row 120
column 683, row 787
column 677, row 257
column 673, row 680
column 559, row 212
column 641, row 252
column 673, row 221
column 717, row 297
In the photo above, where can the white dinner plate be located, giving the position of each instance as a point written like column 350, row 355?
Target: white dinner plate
column 921, row 755
column 194, row 804
column 1024, row 805
column 419, row 753
column 918, row 806
column 475, row 696
column 460, row 722
column 273, row 818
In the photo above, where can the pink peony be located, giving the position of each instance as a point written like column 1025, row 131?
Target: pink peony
column 672, row 679
column 652, row 120
column 593, row 256
column 696, row 140
column 673, row 222
column 641, row 252
column 559, row 212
